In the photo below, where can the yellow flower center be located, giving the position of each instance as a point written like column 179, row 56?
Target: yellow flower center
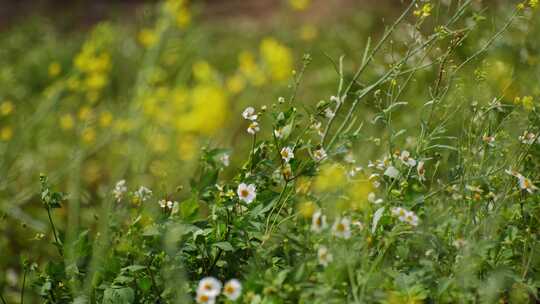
column 244, row 193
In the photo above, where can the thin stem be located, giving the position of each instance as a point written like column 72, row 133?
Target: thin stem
column 253, row 153
column 2, row 298
column 23, row 284
column 56, row 239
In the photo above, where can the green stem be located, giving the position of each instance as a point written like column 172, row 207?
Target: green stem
column 2, row 298
column 23, row 285
column 58, row 244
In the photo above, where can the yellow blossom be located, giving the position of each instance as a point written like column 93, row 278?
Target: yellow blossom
column 533, row 3
column 235, row 84
column 88, row 135
column 54, row 69
column 67, row 122
column 299, row 5
column 306, row 209
column 331, row 177
column 85, row 113
column 6, row 133
column 207, row 111
column 147, row 37
column 105, row 119
column 425, row 11
column 187, row 147
column 277, row 58
column 202, row 71
column 6, row 108
column 528, row 103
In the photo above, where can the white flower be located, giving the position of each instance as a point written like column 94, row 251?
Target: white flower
column 319, row 154
column 329, row 113
column 342, row 228
column 317, row 126
column 249, row 114
column 175, row 208
column 253, row 128
column 119, row 190
column 526, row 184
column 373, row 199
column 287, row 154
column 209, row 286
column 528, row 138
column 143, row 194
column 162, row 203
column 225, row 159
column 421, row 171
column 336, row 99
column 205, row 299
column 405, row 216
column 391, row 172
column 232, row 289
column 324, row 256
column 406, row 159
column 318, row 222
column 246, row 193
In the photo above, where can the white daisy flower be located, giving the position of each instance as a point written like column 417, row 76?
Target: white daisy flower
column 225, row 159
column 526, row 184
column 318, row 222
column 319, row 154
column 253, row 128
column 421, row 171
column 205, row 299
column 232, row 289
column 411, row 218
column 407, row 159
column 249, row 114
column 120, row 190
column 162, row 203
column 209, row 286
column 325, row 257
column 278, row 133
column 287, row 154
column 342, row 228
column 246, row 193
column 391, row 172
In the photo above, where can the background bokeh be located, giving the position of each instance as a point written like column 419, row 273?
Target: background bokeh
column 92, row 92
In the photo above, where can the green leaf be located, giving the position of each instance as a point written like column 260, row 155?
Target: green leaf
column 226, row 246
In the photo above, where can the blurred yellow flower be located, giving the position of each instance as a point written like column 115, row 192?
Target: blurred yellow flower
column 85, row 113
column 331, row 177
column 277, row 59
column 358, row 192
column 67, row 122
column 88, row 135
column 528, row 103
column 147, row 37
column 533, row 3
column 207, row 111
column 6, row 108
column 202, row 71
column 6, row 133
column 183, row 18
column 306, row 209
column 54, row 69
column 96, row 81
column 159, row 142
column 235, row 84
column 105, row 119
column 299, row 5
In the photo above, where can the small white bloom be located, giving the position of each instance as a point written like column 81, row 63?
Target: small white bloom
column 359, row 225
column 249, row 114
column 318, row 222
column 120, row 190
column 162, row 203
column 407, row 159
column 281, row 99
column 287, row 154
column 232, row 289
column 421, row 171
column 528, row 138
column 391, row 172
column 373, row 199
column 336, row 99
column 246, row 193
column 526, row 184
column 175, row 208
column 459, row 243
column 411, row 218
column 205, row 299
column 253, row 128
column 209, row 286
column 317, row 126
column 225, row 159
column 328, row 113
column 143, row 194
column 342, row 228
column 325, row 257
column 319, row 154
